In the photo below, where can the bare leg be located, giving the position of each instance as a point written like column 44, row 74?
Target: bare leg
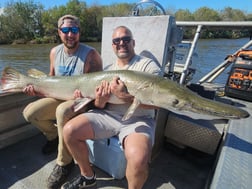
column 137, row 151
column 75, row 132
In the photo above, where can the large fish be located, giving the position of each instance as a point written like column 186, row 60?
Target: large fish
column 146, row 88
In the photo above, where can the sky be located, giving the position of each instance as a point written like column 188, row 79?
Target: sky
column 192, row 5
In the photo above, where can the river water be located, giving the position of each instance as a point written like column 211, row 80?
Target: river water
column 209, row 53
column 24, row 57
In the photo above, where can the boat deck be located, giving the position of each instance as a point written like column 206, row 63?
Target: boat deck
column 23, row 166
column 234, row 168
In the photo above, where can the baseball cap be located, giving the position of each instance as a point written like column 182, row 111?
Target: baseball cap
column 74, row 20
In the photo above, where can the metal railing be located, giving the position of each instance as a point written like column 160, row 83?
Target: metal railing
column 213, row 25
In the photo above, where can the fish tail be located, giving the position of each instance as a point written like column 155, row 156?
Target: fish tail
column 11, row 80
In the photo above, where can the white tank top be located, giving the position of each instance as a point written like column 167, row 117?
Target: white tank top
column 66, row 65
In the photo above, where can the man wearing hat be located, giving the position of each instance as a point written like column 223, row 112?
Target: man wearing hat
column 50, row 115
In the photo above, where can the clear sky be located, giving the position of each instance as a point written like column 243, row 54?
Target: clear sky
column 192, row 5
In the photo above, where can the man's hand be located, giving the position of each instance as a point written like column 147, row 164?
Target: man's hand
column 119, row 89
column 77, row 94
column 102, row 94
column 29, row 90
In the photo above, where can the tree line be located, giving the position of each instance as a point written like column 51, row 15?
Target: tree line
column 23, row 22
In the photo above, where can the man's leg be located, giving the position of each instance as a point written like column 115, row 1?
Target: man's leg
column 64, row 161
column 75, row 132
column 41, row 114
column 137, row 148
column 64, row 113
column 95, row 123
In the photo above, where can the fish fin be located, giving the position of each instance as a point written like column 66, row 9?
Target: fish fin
column 131, row 109
column 36, row 73
column 80, row 103
column 10, row 80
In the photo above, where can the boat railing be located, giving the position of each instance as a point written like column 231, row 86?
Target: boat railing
column 233, row 163
column 200, row 25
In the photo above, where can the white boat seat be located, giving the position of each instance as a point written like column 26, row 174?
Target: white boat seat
column 152, row 34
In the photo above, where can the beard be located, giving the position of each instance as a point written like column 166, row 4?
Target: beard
column 123, row 55
column 71, row 45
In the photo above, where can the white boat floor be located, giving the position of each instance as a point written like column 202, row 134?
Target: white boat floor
column 23, row 166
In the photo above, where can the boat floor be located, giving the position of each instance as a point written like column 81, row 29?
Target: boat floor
column 24, row 166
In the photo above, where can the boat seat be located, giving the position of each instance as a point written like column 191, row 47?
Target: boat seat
column 153, row 35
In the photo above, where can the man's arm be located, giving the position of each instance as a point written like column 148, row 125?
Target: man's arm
column 93, row 62
column 52, row 59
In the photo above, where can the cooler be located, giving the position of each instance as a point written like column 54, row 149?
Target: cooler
column 108, row 155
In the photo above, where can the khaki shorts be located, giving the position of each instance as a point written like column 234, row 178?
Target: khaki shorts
column 107, row 124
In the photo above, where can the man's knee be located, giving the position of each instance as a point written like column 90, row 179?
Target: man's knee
column 64, row 110
column 28, row 114
column 68, row 132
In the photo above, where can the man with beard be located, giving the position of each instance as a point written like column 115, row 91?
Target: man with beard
column 105, row 120
column 49, row 115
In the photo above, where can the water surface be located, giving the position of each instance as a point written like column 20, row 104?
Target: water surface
column 210, row 53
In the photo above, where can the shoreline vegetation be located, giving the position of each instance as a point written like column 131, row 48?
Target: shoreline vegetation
column 29, row 23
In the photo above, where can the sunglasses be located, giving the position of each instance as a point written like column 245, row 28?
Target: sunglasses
column 66, row 30
column 126, row 40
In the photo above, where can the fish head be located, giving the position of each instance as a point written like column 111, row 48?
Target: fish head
column 169, row 95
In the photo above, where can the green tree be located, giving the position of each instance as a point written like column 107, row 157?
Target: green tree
column 122, row 9
column 229, row 14
column 184, row 15
column 206, row 14
column 26, row 21
column 249, row 17
column 49, row 20
column 21, row 21
column 93, row 27
column 51, row 16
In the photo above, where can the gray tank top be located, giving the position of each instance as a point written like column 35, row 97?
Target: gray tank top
column 66, row 65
